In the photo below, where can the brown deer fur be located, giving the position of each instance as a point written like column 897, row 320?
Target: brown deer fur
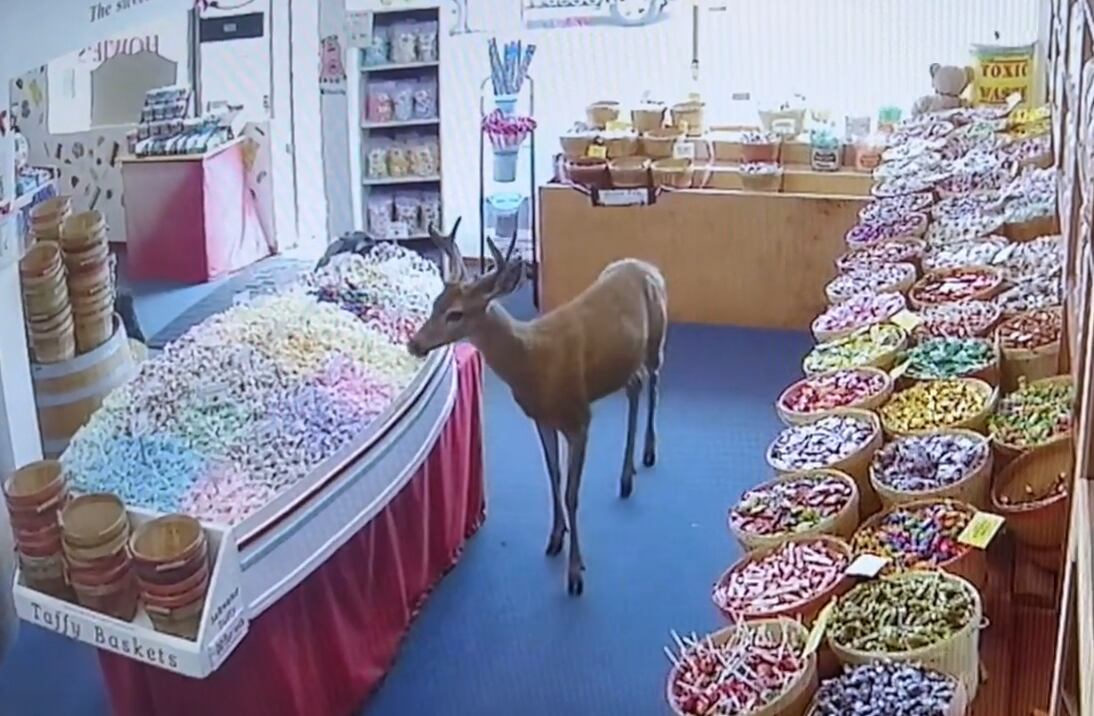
column 608, row 338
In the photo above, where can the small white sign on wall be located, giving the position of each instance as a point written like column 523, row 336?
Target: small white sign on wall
column 358, row 29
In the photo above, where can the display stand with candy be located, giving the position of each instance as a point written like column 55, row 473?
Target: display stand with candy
column 506, row 133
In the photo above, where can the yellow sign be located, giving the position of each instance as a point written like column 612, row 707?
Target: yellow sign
column 906, row 320
column 900, row 370
column 981, row 530
column 599, row 151
column 618, row 125
column 816, row 634
column 1001, row 71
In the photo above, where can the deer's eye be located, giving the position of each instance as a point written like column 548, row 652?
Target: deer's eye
column 454, row 316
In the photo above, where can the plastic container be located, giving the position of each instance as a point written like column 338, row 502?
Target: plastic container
column 505, row 164
column 506, row 104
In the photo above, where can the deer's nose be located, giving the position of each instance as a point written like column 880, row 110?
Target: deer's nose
column 415, row 348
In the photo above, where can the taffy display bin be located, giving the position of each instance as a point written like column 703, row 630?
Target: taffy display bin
column 971, row 564
column 914, row 246
column 794, row 700
column 1041, row 524
column 989, row 372
column 978, row 422
column 871, row 402
column 223, row 623
column 856, row 465
column 958, row 655
column 974, row 488
column 1006, row 452
column 1028, row 363
column 959, row 705
column 805, row 610
column 1031, row 229
column 901, row 286
column 842, row 524
column 885, row 360
column 984, row 295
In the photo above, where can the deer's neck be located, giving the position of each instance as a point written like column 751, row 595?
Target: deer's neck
column 504, row 343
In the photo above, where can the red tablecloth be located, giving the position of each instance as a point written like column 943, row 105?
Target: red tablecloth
column 324, row 646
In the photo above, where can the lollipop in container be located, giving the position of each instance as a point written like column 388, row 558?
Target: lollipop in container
column 506, row 133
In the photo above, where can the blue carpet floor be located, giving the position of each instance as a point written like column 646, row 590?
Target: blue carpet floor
column 499, row 635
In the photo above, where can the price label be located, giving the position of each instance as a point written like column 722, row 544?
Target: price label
column 900, row 370
column 981, row 530
column 867, row 565
column 622, row 197
column 906, row 320
column 598, row 151
column 618, row 125
column 683, row 150
column 399, row 230
column 242, row 298
column 816, row 634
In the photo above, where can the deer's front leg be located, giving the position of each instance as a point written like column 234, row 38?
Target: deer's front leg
column 576, row 442
column 626, row 481
column 548, row 438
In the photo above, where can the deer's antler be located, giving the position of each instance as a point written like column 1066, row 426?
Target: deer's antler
column 447, row 244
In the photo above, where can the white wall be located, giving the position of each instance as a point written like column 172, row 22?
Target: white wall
column 850, row 55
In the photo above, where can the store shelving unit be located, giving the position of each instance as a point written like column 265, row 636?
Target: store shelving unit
column 489, row 187
column 1070, row 82
column 372, row 131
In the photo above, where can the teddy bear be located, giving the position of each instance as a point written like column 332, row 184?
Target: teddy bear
column 949, row 82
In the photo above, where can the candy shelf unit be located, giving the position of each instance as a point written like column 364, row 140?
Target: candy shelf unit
column 527, row 240
column 1070, row 81
column 372, row 131
column 224, row 618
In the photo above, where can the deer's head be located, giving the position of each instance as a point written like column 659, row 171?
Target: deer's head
column 459, row 310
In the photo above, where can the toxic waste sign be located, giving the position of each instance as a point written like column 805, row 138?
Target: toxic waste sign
column 1002, row 71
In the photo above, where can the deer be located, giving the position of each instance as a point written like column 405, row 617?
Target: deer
column 610, row 337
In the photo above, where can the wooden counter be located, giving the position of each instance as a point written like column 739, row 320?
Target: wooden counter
column 729, row 257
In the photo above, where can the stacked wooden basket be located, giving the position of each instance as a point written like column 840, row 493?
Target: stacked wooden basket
column 68, row 282
column 90, row 278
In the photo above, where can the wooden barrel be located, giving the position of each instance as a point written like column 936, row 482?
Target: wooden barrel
column 68, row 392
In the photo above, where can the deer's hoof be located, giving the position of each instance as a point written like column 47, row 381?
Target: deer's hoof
column 626, row 485
column 649, row 456
column 576, row 584
column 554, row 544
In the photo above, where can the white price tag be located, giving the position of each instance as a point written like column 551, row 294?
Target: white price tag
column 623, row 197
column 242, row 298
column 683, row 149
column 399, row 230
column 867, row 565
column 358, row 29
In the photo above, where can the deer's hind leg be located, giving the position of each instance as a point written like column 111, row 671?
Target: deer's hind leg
column 655, row 356
column 634, row 392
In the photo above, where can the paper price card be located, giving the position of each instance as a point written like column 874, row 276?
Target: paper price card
column 597, row 151
column 867, row 565
column 618, row 125
column 906, row 320
column 816, row 634
column 683, row 150
column 899, row 370
column 981, row 530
